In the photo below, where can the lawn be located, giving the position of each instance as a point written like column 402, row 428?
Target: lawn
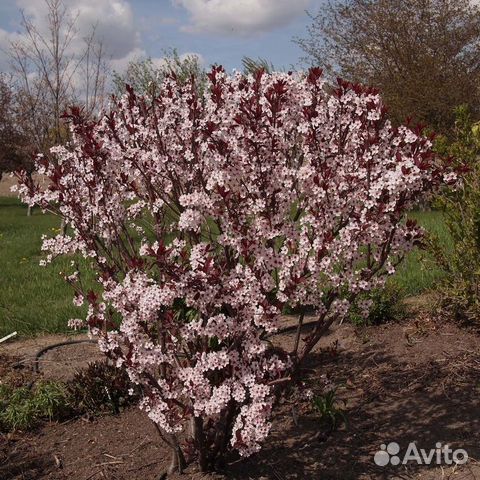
column 418, row 272
column 36, row 299
column 33, row 299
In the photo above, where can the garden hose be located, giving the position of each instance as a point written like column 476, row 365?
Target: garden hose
column 56, row 345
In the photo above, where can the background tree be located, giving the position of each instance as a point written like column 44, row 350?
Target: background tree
column 424, row 55
column 253, row 65
column 51, row 73
column 13, row 145
column 145, row 75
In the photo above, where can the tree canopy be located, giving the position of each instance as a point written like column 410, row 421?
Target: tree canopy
column 424, row 55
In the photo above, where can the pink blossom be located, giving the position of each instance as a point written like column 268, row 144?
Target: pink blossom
column 204, row 216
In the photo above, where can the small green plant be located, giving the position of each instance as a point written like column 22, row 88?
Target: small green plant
column 101, row 388
column 327, row 407
column 22, row 408
column 386, row 305
column 51, row 400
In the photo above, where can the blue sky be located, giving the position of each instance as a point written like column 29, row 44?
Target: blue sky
column 220, row 31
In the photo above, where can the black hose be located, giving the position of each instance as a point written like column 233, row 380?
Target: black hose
column 55, row 345
column 73, row 342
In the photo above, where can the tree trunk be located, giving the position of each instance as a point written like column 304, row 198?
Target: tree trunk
column 63, row 227
column 199, row 438
column 178, row 463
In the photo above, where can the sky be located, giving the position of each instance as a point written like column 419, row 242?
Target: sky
column 218, row 31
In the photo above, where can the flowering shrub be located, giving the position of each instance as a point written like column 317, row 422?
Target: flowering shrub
column 205, row 215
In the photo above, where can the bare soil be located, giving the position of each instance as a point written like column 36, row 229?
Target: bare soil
column 414, row 381
column 59, row 363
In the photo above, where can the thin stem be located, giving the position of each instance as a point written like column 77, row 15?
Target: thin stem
column 297, row 336
column 199, row 437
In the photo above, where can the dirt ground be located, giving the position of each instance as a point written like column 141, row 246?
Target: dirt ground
column 414, row 381
column 59, row 363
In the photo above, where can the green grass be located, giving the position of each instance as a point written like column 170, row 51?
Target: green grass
column 36, row 299
column 418, row 272
column 33, row 299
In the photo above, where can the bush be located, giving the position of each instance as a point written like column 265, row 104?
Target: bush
column 101, row 388
column 204, row 215
column 330, row 414
column 22, row 408
column 460, row 287
column 384, row 304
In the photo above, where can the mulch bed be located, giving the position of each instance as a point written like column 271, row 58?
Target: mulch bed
column 418, row 380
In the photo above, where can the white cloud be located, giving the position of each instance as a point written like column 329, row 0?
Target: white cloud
column 240, row 17
column 113, row 21
column 115, row 26
column 120, row 64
